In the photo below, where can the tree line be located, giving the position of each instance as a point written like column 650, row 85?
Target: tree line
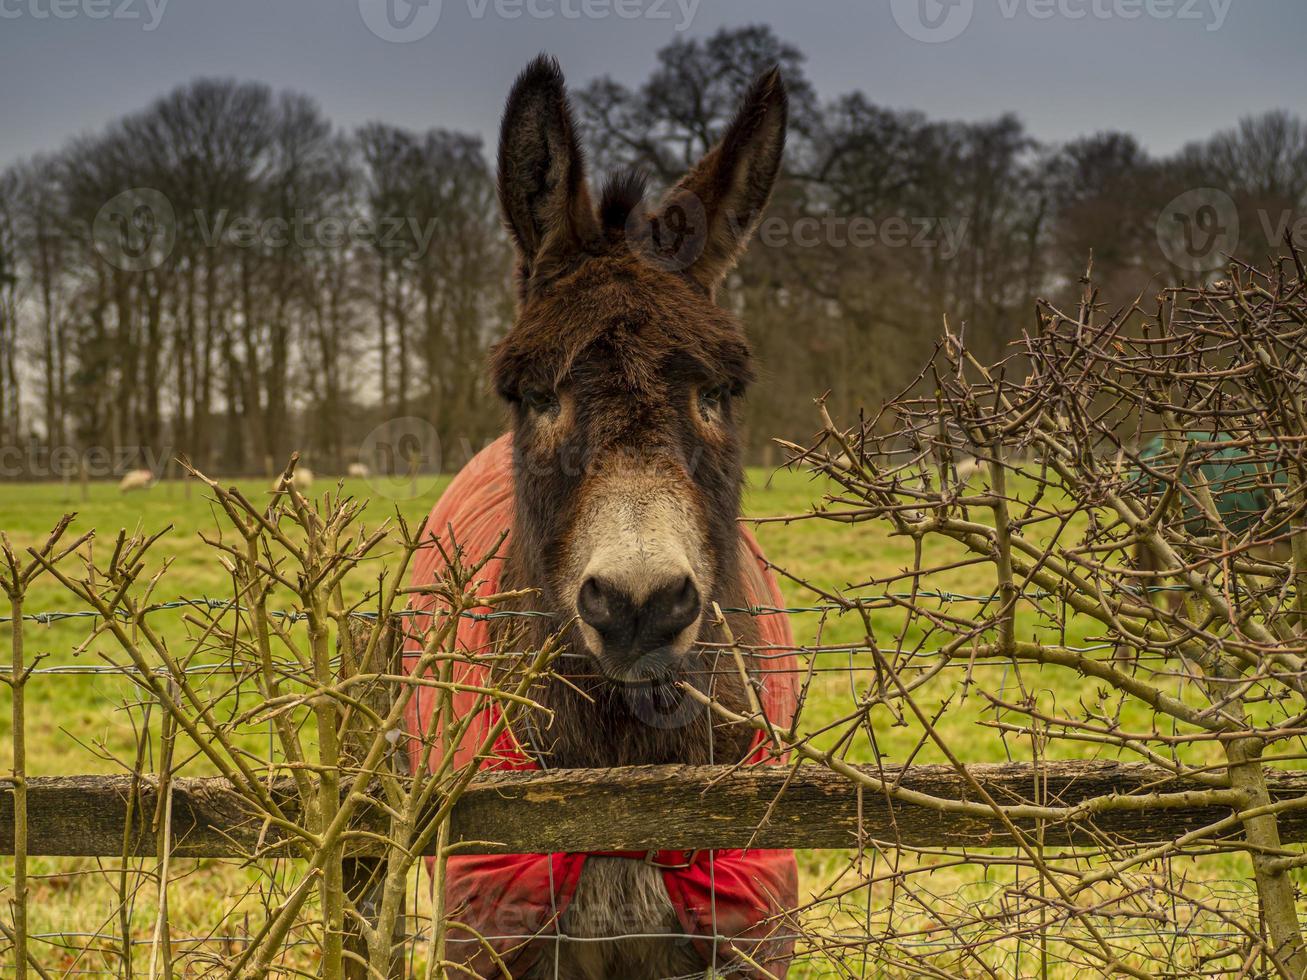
column 228, row 275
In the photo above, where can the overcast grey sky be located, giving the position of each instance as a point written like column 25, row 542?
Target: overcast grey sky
column 1166, row 70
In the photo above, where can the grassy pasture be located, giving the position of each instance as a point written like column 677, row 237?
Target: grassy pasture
column 88, row 723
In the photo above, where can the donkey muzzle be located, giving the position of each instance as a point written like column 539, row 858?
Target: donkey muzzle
column 645, row 634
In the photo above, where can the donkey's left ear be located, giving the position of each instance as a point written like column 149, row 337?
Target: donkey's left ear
column 722, row 199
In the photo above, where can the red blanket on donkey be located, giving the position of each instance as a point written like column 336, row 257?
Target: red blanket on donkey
column 510, row 895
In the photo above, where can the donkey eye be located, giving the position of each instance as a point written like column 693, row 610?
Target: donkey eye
column 540, row 400
column 713, row 400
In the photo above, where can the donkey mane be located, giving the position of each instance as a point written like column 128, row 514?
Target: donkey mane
column 623, row 194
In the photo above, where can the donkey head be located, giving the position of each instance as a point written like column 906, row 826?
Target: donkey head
column 622, row 374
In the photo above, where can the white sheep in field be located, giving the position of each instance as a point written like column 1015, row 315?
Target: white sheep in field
column 136, row 480
column 301, row 479
column 967, row 468
column 358, row 471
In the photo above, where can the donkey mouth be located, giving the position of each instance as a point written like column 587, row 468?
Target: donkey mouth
column 658, row 667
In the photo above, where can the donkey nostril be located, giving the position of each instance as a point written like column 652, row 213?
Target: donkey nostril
column 672, row 608
column 686, row 606
column 597, row 603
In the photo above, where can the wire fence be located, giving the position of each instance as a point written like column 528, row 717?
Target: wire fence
column 823, row 945
column 1064, row 734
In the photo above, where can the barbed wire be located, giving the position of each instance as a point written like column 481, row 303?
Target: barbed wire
column 295, row 616
column 762, row 652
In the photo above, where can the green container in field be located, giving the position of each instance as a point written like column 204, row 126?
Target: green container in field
column 1239, row 486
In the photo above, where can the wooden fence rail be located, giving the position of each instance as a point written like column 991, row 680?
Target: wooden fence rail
column 649, row 807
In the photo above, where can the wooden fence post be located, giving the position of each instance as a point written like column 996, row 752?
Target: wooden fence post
column 365, row 876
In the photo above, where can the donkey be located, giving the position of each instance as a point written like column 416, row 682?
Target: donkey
column 622, row 378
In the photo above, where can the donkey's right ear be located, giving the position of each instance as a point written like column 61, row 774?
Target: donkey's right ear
column 542, row 183
column 714, row 210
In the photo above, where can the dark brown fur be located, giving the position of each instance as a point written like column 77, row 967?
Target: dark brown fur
column 616, row 317
column 630, row 340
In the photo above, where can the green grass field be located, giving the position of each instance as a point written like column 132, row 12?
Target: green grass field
column 828, row 555
column 87, row 724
